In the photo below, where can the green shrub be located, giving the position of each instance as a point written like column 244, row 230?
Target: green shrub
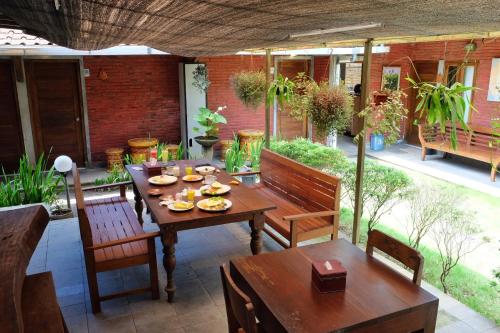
column 235, row 157
column 117, row 175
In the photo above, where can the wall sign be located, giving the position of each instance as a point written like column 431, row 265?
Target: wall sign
column 390, row 78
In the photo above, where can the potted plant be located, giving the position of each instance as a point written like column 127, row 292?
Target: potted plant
column 249, row 87
column 384, row 119
column 200, row 76
column 330, row 109
column 209, row 121
column 444, row 105
column 282, row 89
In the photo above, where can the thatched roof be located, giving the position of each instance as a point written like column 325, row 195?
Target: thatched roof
column 209, row 27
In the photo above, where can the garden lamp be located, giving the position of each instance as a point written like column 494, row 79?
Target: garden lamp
column 63, row 164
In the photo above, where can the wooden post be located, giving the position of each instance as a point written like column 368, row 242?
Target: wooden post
column 268, row 105
column 360, row 166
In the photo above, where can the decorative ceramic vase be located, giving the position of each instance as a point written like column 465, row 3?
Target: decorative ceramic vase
column 139, row 148
column 207, row 145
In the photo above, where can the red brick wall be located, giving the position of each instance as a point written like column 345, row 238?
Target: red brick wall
column 452, row 51
column 220, row 92
column 140, row 96
column 321, row 68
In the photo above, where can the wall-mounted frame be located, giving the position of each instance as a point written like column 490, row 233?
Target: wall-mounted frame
column 494, row 86
column 391, row 75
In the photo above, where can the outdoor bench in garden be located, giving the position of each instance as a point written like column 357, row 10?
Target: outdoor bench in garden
column 28, row 302
column 112, row 238
column 307, row 200
column 478, row 144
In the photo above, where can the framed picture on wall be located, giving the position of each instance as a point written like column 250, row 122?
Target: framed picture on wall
column 494, row 87
column 390, row 77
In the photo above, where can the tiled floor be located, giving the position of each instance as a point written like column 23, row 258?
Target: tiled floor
column 199, row 305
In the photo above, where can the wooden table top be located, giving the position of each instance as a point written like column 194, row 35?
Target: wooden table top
column 282, row 283
column 245, row 200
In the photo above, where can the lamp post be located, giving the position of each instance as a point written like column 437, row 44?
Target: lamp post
column 63, row 164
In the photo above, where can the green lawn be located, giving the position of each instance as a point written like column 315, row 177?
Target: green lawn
column 465, row 285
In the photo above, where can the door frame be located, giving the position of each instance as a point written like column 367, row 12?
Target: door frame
column 82, row 103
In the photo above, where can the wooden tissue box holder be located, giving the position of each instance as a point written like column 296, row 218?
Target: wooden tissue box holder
column 152, row 170
column 328, row 280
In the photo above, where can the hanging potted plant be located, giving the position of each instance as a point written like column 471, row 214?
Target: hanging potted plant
column 209, row 121
column 444, row 106
column 200, row 76
column 249, row 87
column 300, row 102
column 384, row 119
column 282, row 89
column 330, row 109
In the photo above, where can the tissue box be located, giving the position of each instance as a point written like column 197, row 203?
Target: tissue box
column 152, row 170
column 326, row 280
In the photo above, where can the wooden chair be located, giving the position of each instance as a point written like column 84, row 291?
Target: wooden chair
column 239, row 308
column 398, row 250
column 113, row 238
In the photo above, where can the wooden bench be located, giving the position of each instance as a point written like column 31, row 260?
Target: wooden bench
column 475, row 144
column 113, row 238
column 307, row 200
column 28, row 302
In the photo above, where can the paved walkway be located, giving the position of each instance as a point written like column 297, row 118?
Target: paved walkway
column 200, row 304
column 454, row 169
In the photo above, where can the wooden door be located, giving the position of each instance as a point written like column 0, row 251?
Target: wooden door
column 11, row 138
column 427, row 72
column 55, row 103
column 290, row 127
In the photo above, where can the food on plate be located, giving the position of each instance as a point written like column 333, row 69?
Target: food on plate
column 216, row 185
column 183, row 205
column 205, row 170
column 234, row 182
column 215, row 188
column 192, row 178
column 215, row 203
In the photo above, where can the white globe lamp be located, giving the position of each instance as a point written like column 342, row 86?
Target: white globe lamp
column 63, row 164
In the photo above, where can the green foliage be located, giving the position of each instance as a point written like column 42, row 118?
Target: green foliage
column 312, row 154
column 31, row 184
column 383, row 187
column 385, row 118
column 249, row 87
column 330, row 109
column 117, row 175
column 282, row 88
column 300, row 103
column 128, row 159
column 180, row 152
column 235, row 157
column 208, row 121
column 200, row 76
column 444, row 105
column 391, row 81
column 255, row 151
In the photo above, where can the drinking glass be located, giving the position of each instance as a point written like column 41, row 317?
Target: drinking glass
column 210, row 179
column 190, row 194
column 189, row 170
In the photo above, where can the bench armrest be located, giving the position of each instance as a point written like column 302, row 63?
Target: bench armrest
column 247, row 173
column 135, row 238
column 304, row 216
column 106, row 186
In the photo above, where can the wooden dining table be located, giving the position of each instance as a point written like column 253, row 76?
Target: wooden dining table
column 247, row 205
column 376, row 298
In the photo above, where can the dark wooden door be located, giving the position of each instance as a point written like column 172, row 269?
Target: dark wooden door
column 427, row 72
column 55, row 104
column 288, row 127
column 11, row 138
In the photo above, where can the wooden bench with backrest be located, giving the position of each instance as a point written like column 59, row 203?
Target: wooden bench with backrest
column 28, row 302
column 113, row 238
column 307, row 200
column 406, row 255
column 478, row 144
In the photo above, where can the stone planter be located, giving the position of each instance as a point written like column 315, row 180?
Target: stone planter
column 207, row 145
column 140, row 147
column 60, row 214
column 247, row 137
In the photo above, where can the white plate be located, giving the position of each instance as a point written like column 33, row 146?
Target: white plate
column 204, row 170
column 171, row 207
column 162, row 180
column 227, row 203
column 194, row 178
column 223, row 190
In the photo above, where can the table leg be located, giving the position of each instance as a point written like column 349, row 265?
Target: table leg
column 169, row 239
column 256, row 224
column 138, row 203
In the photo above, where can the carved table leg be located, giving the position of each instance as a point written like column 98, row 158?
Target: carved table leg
column 257, row 224
column 138, row 203
column 169, row 239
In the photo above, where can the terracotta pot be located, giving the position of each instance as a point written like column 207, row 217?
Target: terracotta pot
column 225, row 145
column 114, row 157
column 247, row 137
column 139, row 148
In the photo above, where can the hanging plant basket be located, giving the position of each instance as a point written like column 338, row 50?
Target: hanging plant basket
column 200, row 76
column 250, row 87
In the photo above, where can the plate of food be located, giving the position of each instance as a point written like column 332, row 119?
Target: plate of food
column 192, row 178
column 214, row 204
column 180, row 206
column 205, row 170
column 154, row 192
column 162, row 180
column 215, row 189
